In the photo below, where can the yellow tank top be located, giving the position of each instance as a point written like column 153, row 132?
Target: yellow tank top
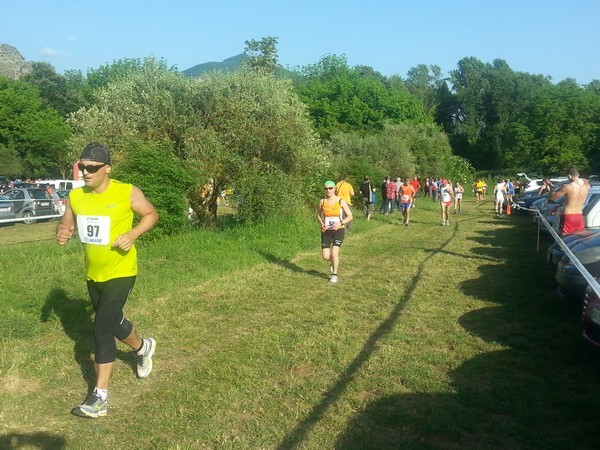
column 101, row 218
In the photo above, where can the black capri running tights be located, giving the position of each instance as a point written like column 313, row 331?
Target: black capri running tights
column 108, row 299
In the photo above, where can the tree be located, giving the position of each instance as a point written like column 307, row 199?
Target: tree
column 343, row 99
column 240, row 129
column 560, row 128
column 489, row 97
column 30, row 130
column 55, row 89
column 403, row 150
column 424, row 82
column 262, row 55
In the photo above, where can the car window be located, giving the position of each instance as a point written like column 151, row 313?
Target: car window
column 38, row 194
column 16, row 195
column 592, row 201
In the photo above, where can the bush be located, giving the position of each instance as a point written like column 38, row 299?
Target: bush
column 159, row 174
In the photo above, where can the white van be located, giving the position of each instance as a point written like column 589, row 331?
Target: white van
column 65, row 185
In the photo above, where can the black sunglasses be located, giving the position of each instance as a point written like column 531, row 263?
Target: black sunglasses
column 90, row 169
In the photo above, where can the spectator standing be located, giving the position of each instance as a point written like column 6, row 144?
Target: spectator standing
column 384, row 205
column 434, row 190
column 510, row 191
column 345, row 191
column 367, row 191
column 575, row 192
column 416, row 186
column 545, row 187
column 391, row 193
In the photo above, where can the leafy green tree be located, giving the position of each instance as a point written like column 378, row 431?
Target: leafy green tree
column 55, row 89
column 343, row 99
column 262, row 55
column 424, row 83
column 405, row 150
column 240, row 129
column 32, row 131
column 11, row 165
column 560, row 128
column 489, row 97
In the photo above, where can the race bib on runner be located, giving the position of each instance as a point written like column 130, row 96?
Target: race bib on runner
column 330, row 221
column 94, row 229
column 405, row 198
column 446, row 197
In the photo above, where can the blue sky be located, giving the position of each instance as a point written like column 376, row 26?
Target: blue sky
column 548, row 37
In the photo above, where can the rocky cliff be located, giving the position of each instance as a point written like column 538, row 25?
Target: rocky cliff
column 12, row 63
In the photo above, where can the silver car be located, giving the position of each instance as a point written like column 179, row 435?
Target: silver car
column 30, row 203
column 6, row 210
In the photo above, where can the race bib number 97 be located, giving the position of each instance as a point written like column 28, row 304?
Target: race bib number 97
column 94, row 229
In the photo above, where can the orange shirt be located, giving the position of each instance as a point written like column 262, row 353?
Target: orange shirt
column 407, row 193
column 331, row 213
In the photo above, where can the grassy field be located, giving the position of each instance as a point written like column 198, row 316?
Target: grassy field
column 434, row 338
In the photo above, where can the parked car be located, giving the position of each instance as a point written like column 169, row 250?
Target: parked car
column 555, row 251
column 31, row 203
column 526, row 200
column 590, row 321
column 535, row 185
column 571, row 282
column 6, row 210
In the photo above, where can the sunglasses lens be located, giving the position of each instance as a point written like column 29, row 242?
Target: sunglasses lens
column 89, row 169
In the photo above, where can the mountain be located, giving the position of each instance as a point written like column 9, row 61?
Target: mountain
column 227, row 65
column 12, row 63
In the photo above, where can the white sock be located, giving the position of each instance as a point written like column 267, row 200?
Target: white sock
column 103, row 393
column 144, row 348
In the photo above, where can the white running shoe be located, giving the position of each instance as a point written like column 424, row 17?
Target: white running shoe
column 144, row 364
column 333, row 278
column 94, row 406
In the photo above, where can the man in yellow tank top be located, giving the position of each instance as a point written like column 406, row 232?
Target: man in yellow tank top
column 102, row 212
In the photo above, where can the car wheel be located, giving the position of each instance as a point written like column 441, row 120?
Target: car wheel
column 29, row 217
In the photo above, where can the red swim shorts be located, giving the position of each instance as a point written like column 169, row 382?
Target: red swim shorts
column 571, row 222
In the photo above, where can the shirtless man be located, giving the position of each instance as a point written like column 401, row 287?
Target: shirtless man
column 576, row 191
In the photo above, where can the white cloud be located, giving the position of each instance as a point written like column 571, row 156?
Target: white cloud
column 52, row 53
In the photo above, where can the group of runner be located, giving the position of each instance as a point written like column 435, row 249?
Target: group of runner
column 334, row 211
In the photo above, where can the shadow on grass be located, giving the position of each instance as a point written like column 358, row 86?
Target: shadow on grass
column 75, row 317
column 540, row 390
column 298, row 434
column 291, row 266
column 44, row 441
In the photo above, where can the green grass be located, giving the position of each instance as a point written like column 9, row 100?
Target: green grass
column 435, row 338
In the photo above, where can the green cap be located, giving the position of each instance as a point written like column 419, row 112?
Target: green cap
column 329, row 183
